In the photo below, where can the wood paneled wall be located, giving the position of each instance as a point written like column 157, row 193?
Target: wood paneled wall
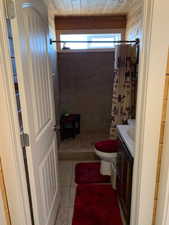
column 90, row 22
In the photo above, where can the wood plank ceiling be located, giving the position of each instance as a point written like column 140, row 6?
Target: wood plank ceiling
column 89, row 7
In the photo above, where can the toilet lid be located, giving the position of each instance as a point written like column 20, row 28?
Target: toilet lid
column 108, row 146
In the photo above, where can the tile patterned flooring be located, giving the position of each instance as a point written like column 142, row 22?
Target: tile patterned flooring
column 82, row 142
column 68, row 190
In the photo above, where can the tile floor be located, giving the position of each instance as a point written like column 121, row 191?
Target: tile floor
column 68, row 189
column 82, row 142
column 68, row 192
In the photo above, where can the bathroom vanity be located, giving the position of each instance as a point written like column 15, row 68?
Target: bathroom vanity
column 125, row 160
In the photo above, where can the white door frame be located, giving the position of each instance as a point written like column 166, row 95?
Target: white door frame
column 149, row 110
column 162, row 216
column 10, row 147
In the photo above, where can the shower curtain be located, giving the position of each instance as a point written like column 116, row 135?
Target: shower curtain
column 124, row 87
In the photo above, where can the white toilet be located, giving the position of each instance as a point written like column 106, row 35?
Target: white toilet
column 107, row 152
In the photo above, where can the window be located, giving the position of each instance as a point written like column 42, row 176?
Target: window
column 89, row 37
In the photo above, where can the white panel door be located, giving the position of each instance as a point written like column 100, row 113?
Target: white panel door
column 30, row 30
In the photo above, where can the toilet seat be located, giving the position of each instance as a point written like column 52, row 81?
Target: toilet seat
column 107, row 146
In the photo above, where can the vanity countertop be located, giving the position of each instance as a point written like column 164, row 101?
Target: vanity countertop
column 128, row 140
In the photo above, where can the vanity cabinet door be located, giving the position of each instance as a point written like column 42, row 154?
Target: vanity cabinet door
column 119, row 172
column 128, row 186
column 124, row 179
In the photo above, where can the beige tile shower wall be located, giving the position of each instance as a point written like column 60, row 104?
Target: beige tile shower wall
column 134, row 20
column 86, row 82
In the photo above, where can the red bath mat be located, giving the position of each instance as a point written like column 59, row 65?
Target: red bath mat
column 86, row 173
column 96, row 204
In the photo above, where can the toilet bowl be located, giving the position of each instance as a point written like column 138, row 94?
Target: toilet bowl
column 107, row 152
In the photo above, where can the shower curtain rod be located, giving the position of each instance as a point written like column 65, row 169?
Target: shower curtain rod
column 137, row 41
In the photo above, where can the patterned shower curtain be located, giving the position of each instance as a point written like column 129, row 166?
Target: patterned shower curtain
column 124, row 87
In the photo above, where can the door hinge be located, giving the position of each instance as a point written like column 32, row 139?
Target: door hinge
column 10, row 9
column 24, row 139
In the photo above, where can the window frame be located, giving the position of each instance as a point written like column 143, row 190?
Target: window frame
column 98, row 31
